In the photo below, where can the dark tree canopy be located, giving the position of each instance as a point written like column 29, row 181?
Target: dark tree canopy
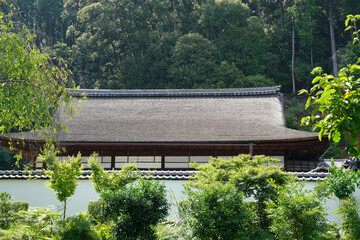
column 135, row 44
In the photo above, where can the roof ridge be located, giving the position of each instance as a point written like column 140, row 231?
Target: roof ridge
column 177, row 92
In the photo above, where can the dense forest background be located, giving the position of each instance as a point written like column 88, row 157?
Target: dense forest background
column 192, row 43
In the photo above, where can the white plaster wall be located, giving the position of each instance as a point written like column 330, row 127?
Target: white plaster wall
column 38, row 195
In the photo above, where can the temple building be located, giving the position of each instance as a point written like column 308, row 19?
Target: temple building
column 168, row 129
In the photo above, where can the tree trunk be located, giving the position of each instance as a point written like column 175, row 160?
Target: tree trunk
column 332, row 39
column 293, row 61
column 64, row 214
column 311, row 57
column 174, row 16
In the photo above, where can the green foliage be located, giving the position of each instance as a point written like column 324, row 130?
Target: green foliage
column 294, row 111
column 63, row 175
column 32, row 88
column 337, row 109
column 350, row 219
column 8, row 210
column 8, row 160
column 340, row 183
column 258, row 81
column 172, row 230
column 297, row 213
column 96, row 212
column 193, row 61
column 136, row 209
column 336, row 99
column 104, row 181
column 38, row 223
column 249, row 176
column 110, row 44
column 103, row 231
column 77, row 228
column 215, row 211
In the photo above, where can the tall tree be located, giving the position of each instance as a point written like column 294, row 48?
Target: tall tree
column 32, row 87
column 332, row 40
column 193, row 61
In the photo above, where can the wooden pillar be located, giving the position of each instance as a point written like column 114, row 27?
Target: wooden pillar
column 112, row 162
column 162, row 162
column 251, row 149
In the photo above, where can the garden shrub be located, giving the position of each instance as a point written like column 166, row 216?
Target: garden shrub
column 171, row 231
column 250, row 175
column 297, row 213
column 8, row 209
column 215, row 211
column 104, row 181
column 96, row 212
column 39, row 223
column 103, row 231
column 136, row 209
column 350, row 219
column 77, row 228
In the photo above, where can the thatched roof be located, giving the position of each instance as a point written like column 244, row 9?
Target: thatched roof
column 180, row 116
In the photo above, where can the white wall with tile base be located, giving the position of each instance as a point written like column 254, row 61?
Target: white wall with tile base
column 39, row 195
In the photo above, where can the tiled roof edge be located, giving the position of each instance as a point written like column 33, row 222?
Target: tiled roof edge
column 156, row 175
column 131, row 93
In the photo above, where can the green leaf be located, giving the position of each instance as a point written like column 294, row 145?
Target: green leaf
column 316, row 79
column 353, row 141
column 354, row 68
column 324, row 97
column 317, row 70
column 302, row 91
column 343, row 72
column 348, row 18
column 336, row 136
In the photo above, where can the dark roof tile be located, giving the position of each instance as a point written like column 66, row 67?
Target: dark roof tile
column 156, row 175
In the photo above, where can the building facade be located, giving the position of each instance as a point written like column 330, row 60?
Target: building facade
column 169, row 129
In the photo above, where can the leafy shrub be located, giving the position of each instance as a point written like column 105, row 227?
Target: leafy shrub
column 103, row 231
column 215, row 211
column 340, row 183
column 96, row 211
column 170, row 231
column 297, row 213
column 258, row 81
column 77, row 228
column 249, row 175
column 8, row 209
column 350, row 219
column 39, row 223
column 104, row 181
column 136, row 209
column 63, row 174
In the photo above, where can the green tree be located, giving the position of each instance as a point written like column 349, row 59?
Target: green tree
column 32, row 88
column 104, row 181
column 336, row 99
column 350, row 218
column 297, row 213
column 136, row 209
column 215, row 211
column 193, row 61
column 249, row 176
column 63, row 174
column 113, row 35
